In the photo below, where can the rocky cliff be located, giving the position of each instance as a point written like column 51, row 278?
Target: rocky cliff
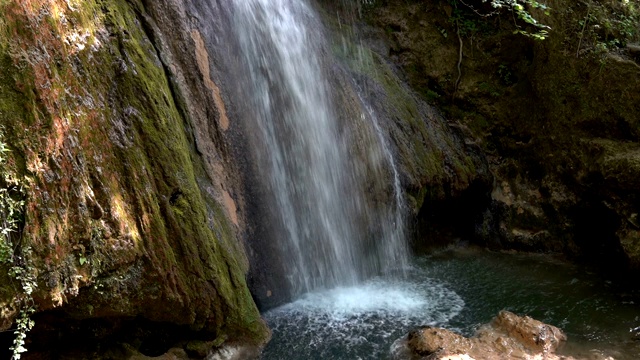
column 127, row 170
column 128, row 197
column 557, row 119
column 115, row 130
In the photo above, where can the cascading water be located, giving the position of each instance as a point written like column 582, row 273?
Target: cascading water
column 330, row 235
column 327, row 173
column 314, row 128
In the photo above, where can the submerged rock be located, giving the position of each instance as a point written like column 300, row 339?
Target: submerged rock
column 508, row 336
column 230, row 352
column 172, row 354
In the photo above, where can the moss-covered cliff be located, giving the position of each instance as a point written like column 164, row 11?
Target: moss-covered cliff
column 435, row 161
column 129, row 208
column 557, row 119
column 123, row 184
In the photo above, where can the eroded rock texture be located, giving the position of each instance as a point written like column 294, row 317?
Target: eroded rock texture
column 116, row 130
column 557, row 120
column 508, row 336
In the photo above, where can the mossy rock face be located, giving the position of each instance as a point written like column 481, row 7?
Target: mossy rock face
column 537, row 110
column 125, row 215
column 436, row 158
column 618, row 163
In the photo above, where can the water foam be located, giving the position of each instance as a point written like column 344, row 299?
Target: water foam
column 365, row 319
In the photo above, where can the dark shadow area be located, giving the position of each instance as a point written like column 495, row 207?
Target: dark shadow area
column 57, row 336
column 445, row 221
column 595, row 234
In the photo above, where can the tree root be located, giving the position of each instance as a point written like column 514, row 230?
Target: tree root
column 455, row 88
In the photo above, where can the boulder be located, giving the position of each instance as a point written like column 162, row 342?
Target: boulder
column 634, row 49
column 508, row 336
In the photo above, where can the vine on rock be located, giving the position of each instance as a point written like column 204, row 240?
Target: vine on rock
column 521, row 15
column 12, row 194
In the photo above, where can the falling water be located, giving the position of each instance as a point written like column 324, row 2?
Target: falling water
column 396, row 248
column 329, row 232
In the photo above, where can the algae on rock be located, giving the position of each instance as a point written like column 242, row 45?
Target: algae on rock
column 123, row 217
column 535, row 109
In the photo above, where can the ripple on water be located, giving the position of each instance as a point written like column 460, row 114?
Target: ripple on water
column 347, row 322
column 362, row 322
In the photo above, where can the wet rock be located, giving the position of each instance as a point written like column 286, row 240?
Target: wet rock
column 563, row 140
column 235, row 352
column 172, row 354
column 140, row 121
column 635, row 333
column 217, row 350
column 431, row 341
column 526, row 215
column 531, row 333
column 634, row 50
column 194, row 350
column 508, row 336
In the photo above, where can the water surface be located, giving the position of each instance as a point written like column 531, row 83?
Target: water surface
column 458, row 289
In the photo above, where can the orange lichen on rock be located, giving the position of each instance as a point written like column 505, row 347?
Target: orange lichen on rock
column 113, row 205
column 508, row 336
column 203, row 63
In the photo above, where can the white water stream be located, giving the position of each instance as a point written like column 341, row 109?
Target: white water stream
column 329, row 234
column 339, row 252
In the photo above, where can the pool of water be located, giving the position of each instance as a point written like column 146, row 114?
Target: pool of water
column 458, row 289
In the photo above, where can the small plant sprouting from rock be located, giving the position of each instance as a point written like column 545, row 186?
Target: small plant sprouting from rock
column 606, row 27
column 505, row 74
column 24, row 323
column 526, row 24
column 12, row 196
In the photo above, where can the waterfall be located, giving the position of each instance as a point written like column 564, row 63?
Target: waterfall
column 395, row 249
column 328, row 232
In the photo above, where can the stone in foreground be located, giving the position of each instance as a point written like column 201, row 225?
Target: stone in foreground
column 508, row 336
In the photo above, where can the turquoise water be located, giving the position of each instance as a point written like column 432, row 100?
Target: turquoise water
column 459, row 289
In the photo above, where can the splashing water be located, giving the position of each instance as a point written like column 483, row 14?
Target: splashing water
column 361, row 320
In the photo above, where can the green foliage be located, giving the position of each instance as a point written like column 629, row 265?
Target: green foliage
column 11, row 205
column 432, row 95
column 24, row 274
column 505, row 75
column 607, row 26
column 12, row 196
column 467, row 25
column 489, row 89
column 526, row 24
column 24, row 324
column 518, row 7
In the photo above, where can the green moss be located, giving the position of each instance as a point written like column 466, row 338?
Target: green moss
column 13, row 110
column 168, row 155
column 147, row 180
column 419, row 196
column 426, row 149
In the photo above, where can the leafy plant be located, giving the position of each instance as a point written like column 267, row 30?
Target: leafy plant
column 607, row 27
column 12, row 194
column 24, row 324
column 526, row 24
column 505, row 75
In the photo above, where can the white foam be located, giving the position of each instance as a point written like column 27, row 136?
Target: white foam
column 374, row 296
column 369, row 316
